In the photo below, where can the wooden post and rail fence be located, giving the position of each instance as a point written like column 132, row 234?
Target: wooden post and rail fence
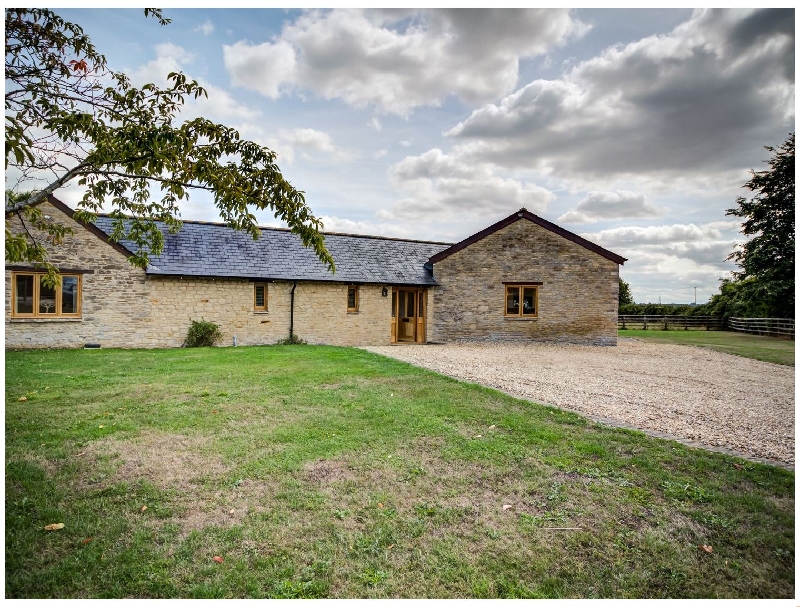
column 772, row 327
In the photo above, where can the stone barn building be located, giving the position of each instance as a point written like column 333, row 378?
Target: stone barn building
column 521, row 279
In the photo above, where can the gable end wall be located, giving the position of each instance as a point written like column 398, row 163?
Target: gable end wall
column 577, row 299
column 115, row 306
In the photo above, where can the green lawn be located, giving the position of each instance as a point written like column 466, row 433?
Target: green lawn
column 332, row 472
column 769, row 349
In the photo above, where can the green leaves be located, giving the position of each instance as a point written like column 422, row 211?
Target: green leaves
column 767, row 259
column 127, row 145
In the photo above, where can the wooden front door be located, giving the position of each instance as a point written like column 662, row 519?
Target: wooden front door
column 407, row 314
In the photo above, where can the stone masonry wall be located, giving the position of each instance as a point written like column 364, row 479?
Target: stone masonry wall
column 577, row 300
column 175, row 302
column 321, row 317
column 320, row 312
column 115, row 305
column 124, row 308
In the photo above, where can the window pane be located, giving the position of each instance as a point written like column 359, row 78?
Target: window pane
column 394, row 303
column 69, row 294
column 410, row 306
column 512, row 300
column 351, row 298
column 47, row 298
column 24, row 294
column 260, row 296
column 421, row 311
column 529, row 300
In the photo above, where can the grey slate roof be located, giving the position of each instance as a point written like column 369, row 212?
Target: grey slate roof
column 215, row 250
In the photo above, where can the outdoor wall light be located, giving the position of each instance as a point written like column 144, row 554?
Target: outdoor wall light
column 385, row 292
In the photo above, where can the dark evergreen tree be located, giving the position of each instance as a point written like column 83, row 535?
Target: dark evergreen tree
column 767, row 259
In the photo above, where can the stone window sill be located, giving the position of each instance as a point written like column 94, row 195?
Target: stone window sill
column 260, row 312
column 56, row 319
column 521, row 318
column 352, row 312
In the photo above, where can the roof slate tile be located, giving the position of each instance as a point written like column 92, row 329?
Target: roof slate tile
column 204, row 249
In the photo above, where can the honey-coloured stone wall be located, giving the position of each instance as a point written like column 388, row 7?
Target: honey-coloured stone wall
column 122, row 307
column 115, row 307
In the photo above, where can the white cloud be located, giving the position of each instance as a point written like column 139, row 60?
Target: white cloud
column 220, row 104
column 405, row 143
column 267, row 68
column 206, row 28
column 706, row 245
column 619, row 204
column 442, row 187
column 667, row 261
column 308, row 138
column 396, row 60
column 380, row 154
column 704, row 97
column 369, row 228
column 375, row 123
column 654, row 235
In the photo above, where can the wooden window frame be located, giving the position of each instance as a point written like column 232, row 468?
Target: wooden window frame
column 353, row 310
column 256, row 307
column 519, row 287
column 37, row 282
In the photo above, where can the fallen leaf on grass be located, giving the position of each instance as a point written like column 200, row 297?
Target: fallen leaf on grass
column 87, row 540
column 22, row 399
column 738, row 466
column 380, row 504
column 390, row 546
column 143, row 508
column 219, row 559
column 492, row 427
column 101, row 426
column 54, row 526
column 706, row 549
column 232, row 511
column 478, row 436
column 507, row 507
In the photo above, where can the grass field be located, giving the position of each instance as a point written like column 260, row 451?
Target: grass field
column 332, row 472
column 769, row 349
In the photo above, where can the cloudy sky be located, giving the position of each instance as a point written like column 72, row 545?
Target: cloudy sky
column 633, row 128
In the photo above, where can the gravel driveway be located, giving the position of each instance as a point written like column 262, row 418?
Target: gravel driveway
column 706, row 397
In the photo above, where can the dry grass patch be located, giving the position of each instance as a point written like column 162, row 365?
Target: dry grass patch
column 168, row 461
column 186, row 470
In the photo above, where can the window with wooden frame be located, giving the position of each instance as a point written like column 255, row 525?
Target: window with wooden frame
column 352, row 298
column 522, row 301
column 259, row 297
column 32, row 298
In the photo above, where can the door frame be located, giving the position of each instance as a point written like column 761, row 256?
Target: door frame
column 420, row 312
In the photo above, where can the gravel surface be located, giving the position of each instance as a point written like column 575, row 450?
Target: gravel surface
column 712, row 399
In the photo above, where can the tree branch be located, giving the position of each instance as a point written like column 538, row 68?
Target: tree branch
column 37, row 197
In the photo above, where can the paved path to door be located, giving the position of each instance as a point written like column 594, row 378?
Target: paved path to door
column 701, row 397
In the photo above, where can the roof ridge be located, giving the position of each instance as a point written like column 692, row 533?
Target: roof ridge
column 276, row 229
column 523, row 213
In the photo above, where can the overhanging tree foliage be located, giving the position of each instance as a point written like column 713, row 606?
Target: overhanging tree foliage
column 70, row 118
column 767, row 259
